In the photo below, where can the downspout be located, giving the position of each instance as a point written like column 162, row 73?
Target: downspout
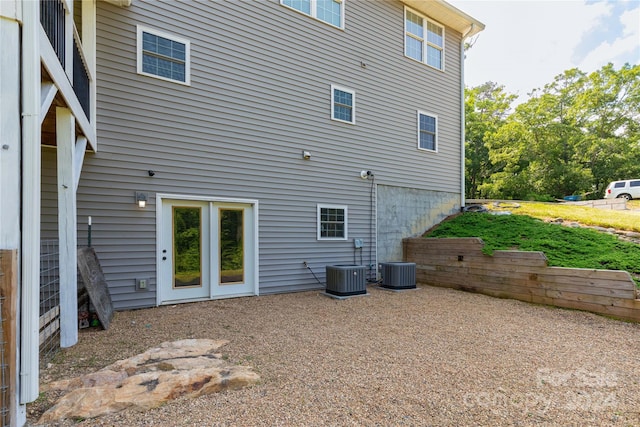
column 462, row 119
column 30, row 252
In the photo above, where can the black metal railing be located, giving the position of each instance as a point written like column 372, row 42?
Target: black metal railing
column 52, row 20
column 81, row 83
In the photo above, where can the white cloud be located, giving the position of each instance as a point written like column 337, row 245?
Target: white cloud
column 527, row 43
column 621, row 50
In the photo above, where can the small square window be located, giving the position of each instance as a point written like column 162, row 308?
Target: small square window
column 163, row 56
column 332, row 222
column 343, row 104
column 427, row 132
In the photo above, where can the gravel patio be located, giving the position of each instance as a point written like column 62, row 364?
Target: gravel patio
column 432, row 356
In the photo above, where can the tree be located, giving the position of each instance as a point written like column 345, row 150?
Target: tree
column 572, row 137
column 608, row 113
column 486, row 108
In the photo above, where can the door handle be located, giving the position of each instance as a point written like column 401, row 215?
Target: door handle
column 164, row 258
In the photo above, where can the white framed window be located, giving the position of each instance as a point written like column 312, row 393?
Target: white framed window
column 423, row 39
column 163, row 56
column 328, row 11
column 332, row 222
column 343, row 104
column 427, row 132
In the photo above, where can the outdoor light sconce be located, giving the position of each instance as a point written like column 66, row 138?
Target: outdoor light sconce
column 306, row 155
column 141, row 199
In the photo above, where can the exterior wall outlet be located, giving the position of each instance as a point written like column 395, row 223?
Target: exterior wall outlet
column 358, row 243
column 141, row 284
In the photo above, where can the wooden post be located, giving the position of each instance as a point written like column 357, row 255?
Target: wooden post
column 67, row 227
column 9, row 295
column 80, row 148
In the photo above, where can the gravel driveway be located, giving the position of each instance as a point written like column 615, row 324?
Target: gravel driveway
column 431, row 356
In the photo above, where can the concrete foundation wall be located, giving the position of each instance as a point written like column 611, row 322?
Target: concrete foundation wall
column 408, row 212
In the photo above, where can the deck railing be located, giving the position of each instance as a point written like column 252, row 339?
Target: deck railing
column 81, row 83
column 53, row 18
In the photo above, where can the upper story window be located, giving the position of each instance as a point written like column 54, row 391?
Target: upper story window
column 423, row 39
column 163, row 56
column 427, row 132
column 329, row 11
column 332, row 222
column 343, row 104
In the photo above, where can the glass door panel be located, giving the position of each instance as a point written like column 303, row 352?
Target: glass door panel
column 231, row 246
column 207, row 249
column 187, row 247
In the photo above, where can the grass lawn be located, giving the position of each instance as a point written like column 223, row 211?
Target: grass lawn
column 621, row 220
column 563, row 246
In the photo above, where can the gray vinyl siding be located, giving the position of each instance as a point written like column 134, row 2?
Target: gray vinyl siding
column 49, row 195
column 259, row 95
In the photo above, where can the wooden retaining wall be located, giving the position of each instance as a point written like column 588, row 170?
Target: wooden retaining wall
column 459, row 263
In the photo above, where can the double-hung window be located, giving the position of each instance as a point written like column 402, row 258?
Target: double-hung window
column 423, row 39
column 343, row 104
column 329, row 11
column 163, row 56
column 332, row 222
column 427, row 132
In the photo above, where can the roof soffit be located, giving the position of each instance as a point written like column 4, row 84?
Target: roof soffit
column 447, row 15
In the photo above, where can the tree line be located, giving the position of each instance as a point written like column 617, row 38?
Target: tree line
column 572, row 137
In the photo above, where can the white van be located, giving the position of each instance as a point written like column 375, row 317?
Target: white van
column 629, row 189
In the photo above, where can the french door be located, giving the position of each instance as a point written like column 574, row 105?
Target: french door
column 207, row 249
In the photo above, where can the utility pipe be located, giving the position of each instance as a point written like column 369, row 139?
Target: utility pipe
column 462, row 119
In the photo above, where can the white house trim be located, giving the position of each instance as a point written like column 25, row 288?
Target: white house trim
column 9, row 135
column 89, row 53
column 253, row 202
column 140, row 29
column 319, row 208
column 78, row 159
column 31, row 168
column 48, row 92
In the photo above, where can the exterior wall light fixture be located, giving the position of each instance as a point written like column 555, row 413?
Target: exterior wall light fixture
column 141, row 199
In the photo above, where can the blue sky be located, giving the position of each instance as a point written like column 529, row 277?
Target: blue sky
column 528, row 42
